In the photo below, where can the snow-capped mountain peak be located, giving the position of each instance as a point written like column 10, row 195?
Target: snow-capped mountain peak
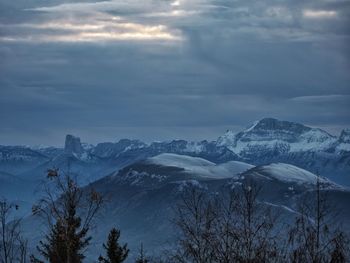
column 269, row 128
column 265, row 141
column 275, row 124
column 278, row 136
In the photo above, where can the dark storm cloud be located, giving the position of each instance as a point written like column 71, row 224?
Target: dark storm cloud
column 169, row 69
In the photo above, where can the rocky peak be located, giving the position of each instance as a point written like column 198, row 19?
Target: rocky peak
column 227, row 139
column 109, row 149
column 124, row 143
column 345, row 136
column 271, row 124
column 268, row 129
column 73, row 145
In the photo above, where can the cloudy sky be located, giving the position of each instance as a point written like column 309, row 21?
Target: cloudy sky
column 161, row 69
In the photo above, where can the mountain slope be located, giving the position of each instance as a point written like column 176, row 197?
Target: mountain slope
column 142, row 196
column 144, row 209
column 16, row 159
column 166, row 168
column 200, row 166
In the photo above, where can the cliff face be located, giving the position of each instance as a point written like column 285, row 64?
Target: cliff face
column 73, row 145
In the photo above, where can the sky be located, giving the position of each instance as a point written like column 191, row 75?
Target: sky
column 169, row 69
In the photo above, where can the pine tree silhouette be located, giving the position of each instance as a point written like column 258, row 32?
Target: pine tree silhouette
column 66, row 240
column 68, row 233
column 54, row 249
column 115, row 253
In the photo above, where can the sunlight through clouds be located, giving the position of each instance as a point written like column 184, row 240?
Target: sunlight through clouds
column 176, row 3
column 134, row 57
column 94, row 22
column 169, row 21
column 319, row 13
column 93, row 29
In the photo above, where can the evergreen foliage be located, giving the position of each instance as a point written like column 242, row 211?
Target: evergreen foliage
column 68, row 230
column 115, row 253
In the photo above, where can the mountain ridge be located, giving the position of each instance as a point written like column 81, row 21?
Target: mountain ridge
column 142, row 196
column 266, row 141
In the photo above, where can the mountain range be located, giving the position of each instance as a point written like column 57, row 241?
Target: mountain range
column 266, row 141
column 144, row 181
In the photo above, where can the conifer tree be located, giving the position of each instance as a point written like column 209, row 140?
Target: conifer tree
column 115, row 253
column 53, row 249
column 68, row 229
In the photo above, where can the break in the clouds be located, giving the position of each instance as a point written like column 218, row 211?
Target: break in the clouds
column 159, row 69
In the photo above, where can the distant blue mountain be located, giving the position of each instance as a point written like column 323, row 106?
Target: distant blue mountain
column 266, row 141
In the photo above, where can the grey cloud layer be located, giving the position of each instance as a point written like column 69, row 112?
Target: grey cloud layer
column 162, row 69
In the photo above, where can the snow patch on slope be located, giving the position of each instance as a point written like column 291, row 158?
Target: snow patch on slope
column 252, row 127
column 289, row 173
column 170, row 159
column 195, row 147
column 343, row 147
column 228, row 139
column 199, row 166
column 315, row 139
